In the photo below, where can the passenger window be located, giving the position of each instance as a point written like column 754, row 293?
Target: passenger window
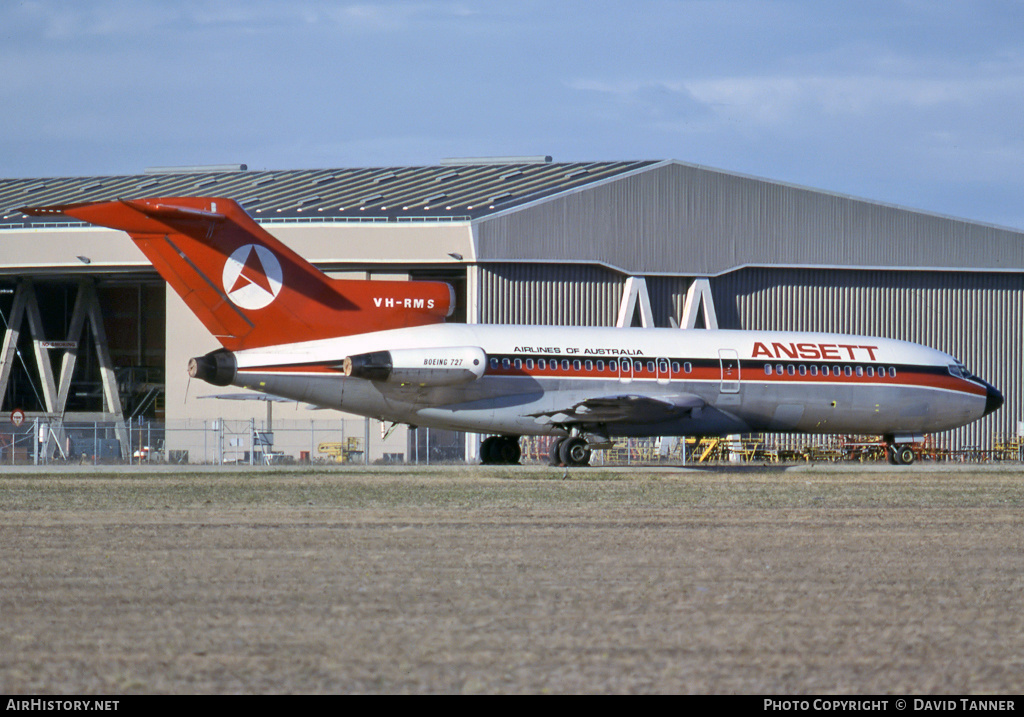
column 590, row 365
column 767, row 369
column 860, row 371
column 505, row 363
column 494, row 363
column 687, row 367
column 892, row 372
column 565, row 364
column 529, row 364
column 600, row 365
column 576, row 365
column 849, row 371
column 803, row 370
column 814, row 370
column 542, row 364
column 518, row 363
column 675, row 367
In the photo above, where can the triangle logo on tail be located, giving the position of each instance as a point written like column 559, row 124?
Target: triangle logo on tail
column 252, row 277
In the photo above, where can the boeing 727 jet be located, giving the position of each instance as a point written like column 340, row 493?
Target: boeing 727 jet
column 382, row 349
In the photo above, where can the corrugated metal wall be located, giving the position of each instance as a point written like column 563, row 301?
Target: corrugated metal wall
column 974, row 316
column 679, row 219
column 550, row 294
column 569, row 295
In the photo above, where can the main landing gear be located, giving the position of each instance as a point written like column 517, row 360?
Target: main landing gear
column 572, row 452
column 900, row 455
column 500, row 451
column 504, row 451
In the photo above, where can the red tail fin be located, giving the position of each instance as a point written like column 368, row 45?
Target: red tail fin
column 249, row 289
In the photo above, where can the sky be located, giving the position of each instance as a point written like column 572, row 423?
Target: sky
column 917, row 103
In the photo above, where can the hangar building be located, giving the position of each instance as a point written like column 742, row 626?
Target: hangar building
column 91, row 335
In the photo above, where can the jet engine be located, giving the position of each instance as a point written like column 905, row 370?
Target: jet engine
column 217, row 367
column 446, row 366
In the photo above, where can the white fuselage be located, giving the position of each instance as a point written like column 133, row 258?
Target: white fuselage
column 739, row 381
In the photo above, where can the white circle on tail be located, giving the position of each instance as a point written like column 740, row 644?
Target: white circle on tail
column 252, row 277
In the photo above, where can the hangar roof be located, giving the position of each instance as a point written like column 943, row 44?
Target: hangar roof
column 446, row 192
column 639, row 218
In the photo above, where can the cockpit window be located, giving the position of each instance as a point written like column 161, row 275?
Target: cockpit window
column 959, row 370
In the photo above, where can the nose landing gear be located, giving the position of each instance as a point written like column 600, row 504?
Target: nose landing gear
column 900, row 455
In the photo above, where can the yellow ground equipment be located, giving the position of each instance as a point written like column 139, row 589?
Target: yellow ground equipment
column 348, row 451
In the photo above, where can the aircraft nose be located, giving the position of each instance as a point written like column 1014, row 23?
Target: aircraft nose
column 993, row 398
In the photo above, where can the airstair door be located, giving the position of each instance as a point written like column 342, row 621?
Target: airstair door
column 729, row 360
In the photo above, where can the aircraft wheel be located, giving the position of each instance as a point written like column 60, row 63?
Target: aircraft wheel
column 507, row 451
column 555, row 456
column 488, row 450
column 904, row 455
column 890, row 455
column 574, row 452
column 500, row 450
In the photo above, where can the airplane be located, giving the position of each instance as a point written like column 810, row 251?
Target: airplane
column 382, row 349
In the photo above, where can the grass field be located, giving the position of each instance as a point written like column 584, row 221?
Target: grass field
column 837, row 580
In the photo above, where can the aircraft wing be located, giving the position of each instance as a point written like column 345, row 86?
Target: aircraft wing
column 626, row 408
column 250, row 397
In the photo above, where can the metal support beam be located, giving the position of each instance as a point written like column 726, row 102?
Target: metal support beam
column 55, row 393
column 27, row 305
column 635, row 293
column 10, row 346
column 698, row 297
column 67, row 368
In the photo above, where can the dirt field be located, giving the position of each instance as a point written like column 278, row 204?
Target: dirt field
column 501, row 580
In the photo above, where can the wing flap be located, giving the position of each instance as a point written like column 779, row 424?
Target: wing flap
column 626, row 408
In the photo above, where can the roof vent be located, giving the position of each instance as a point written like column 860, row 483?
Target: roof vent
column 194, row 169
column 539, row 159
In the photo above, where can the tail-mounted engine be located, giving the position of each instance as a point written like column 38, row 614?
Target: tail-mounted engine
column 217, row 367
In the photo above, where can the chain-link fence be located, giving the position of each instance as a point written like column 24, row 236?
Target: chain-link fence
column 219, row 441
column 363, row 442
